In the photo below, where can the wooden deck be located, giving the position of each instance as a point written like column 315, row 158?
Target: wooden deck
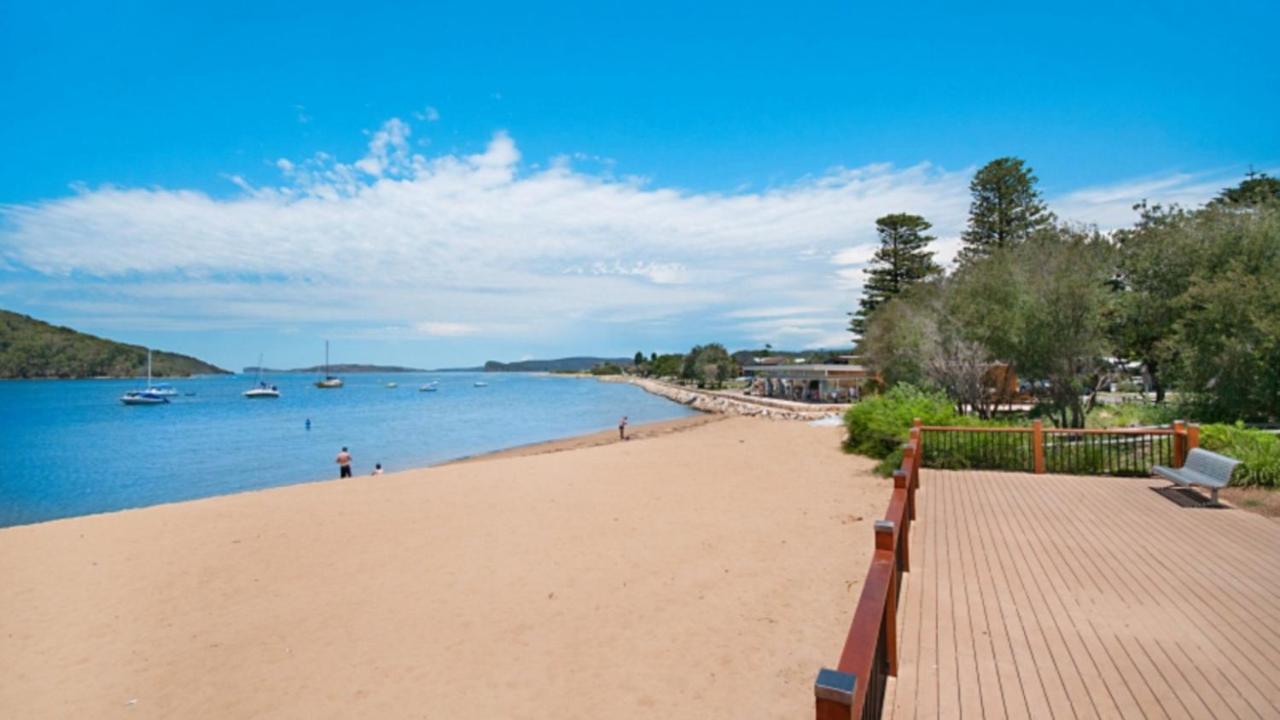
column 1049, row 596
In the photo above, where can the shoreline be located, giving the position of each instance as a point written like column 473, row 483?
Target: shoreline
column 655, row 578
column 641, row 431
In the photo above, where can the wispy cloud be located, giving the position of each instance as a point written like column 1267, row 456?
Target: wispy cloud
column 455, row 245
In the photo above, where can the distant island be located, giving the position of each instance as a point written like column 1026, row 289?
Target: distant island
column 337, row 369
column 568, row 364
column 31, row 348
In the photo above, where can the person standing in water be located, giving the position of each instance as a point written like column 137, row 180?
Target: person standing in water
column 344, row 464
column 622, row 428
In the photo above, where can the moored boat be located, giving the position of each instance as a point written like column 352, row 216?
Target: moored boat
column 148, row 395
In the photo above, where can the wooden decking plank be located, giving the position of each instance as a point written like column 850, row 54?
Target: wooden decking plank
column 1002, row 687
column 1050, row 656
column 968, row 675
column 949, row 702
column 1068, row 596
column 1186, row 585
column 1178, row 658
column 1107, row 685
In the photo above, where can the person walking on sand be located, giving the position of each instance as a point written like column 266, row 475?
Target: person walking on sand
column 622, row 428
column 344, row 464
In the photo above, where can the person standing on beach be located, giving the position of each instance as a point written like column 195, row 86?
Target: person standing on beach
column 344, row 464
column 622, row 428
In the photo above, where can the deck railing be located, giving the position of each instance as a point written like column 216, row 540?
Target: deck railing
column 1078, row 451
column 855, row 687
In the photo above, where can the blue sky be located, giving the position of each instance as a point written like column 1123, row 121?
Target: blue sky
column 463, row 181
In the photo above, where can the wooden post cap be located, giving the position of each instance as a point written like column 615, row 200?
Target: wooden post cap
column 835, row 686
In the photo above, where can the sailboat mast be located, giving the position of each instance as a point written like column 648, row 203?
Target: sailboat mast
column 326, row 359
column 148, row 368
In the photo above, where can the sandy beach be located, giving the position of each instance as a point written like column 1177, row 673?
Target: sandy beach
column 707, row 568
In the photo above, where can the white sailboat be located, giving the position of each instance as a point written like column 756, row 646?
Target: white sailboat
column 147, row 396
column 262, row 390
column 429, row 387
column 329, row 382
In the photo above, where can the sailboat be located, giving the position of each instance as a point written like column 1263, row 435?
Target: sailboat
column 147, row 396
column 262, row 390
column 429, row 387
column 329, row 382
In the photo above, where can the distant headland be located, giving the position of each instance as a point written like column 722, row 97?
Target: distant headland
column 31, row 348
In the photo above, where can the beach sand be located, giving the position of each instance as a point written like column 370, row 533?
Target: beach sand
column 702, row 573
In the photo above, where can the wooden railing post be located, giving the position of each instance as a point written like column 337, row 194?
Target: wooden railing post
column 1193, row 437
column 885, row 530
column 1037, row 445
column 1179, row 443
column 833, row 692
column 902, row 481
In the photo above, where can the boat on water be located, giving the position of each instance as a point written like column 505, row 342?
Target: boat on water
column 148, row 395
column 262, row 389
column 329, row 382
column 429, row 387
column 392, row 385
column 480, row 383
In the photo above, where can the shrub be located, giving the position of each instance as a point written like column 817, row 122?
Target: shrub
column 879, row 425
column 1258, row 450
column 1133, row 415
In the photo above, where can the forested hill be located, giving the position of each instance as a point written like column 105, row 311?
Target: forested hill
column 30, row 348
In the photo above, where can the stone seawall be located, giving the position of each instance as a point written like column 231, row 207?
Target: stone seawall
column 719, row 403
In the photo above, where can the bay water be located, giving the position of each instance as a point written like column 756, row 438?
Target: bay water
column 70, row 448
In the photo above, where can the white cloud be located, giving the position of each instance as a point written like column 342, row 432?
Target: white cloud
column 482, row 245
column 427, row 114
column 445, row 329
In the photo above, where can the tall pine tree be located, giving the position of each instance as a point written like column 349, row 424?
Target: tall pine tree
column 901, row 261
column 1006, row 208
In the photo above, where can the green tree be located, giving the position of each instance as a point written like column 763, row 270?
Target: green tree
column 1255, row 189
column 901, row 261
column 709, row 365
column 1006, row 208
column 669, row 365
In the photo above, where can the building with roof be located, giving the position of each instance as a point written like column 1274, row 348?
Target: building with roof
column 809, row 382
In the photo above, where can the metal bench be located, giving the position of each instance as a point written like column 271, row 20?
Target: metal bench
column 1203, row 468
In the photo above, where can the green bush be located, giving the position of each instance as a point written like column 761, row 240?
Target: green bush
column 879, row 425
column 1134, row 414
column 1258, row 450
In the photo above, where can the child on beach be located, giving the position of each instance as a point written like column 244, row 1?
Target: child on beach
column 622, row 428
column 377, row 469
column 344, row 464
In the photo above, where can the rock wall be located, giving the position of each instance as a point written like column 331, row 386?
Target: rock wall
column 721, row 404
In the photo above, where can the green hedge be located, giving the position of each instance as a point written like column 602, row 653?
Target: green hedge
column 1258, row 450
column 879, row 425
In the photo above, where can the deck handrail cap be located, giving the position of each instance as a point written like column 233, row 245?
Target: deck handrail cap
column 884, row 526
column 835, row 686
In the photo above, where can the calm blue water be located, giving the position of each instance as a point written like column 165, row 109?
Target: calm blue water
column 71, row 448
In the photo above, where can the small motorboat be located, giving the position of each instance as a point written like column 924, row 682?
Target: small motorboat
column 429, row 387
column 392, row 385
column 262, row 391
column 480, row 383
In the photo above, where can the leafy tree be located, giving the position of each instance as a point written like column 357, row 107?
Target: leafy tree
column 1006, row 208
column 901, row 261
column 669, row 365
column 1255, row 189
column 709, row 365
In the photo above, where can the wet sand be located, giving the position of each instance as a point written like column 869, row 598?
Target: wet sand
column 703, row 571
